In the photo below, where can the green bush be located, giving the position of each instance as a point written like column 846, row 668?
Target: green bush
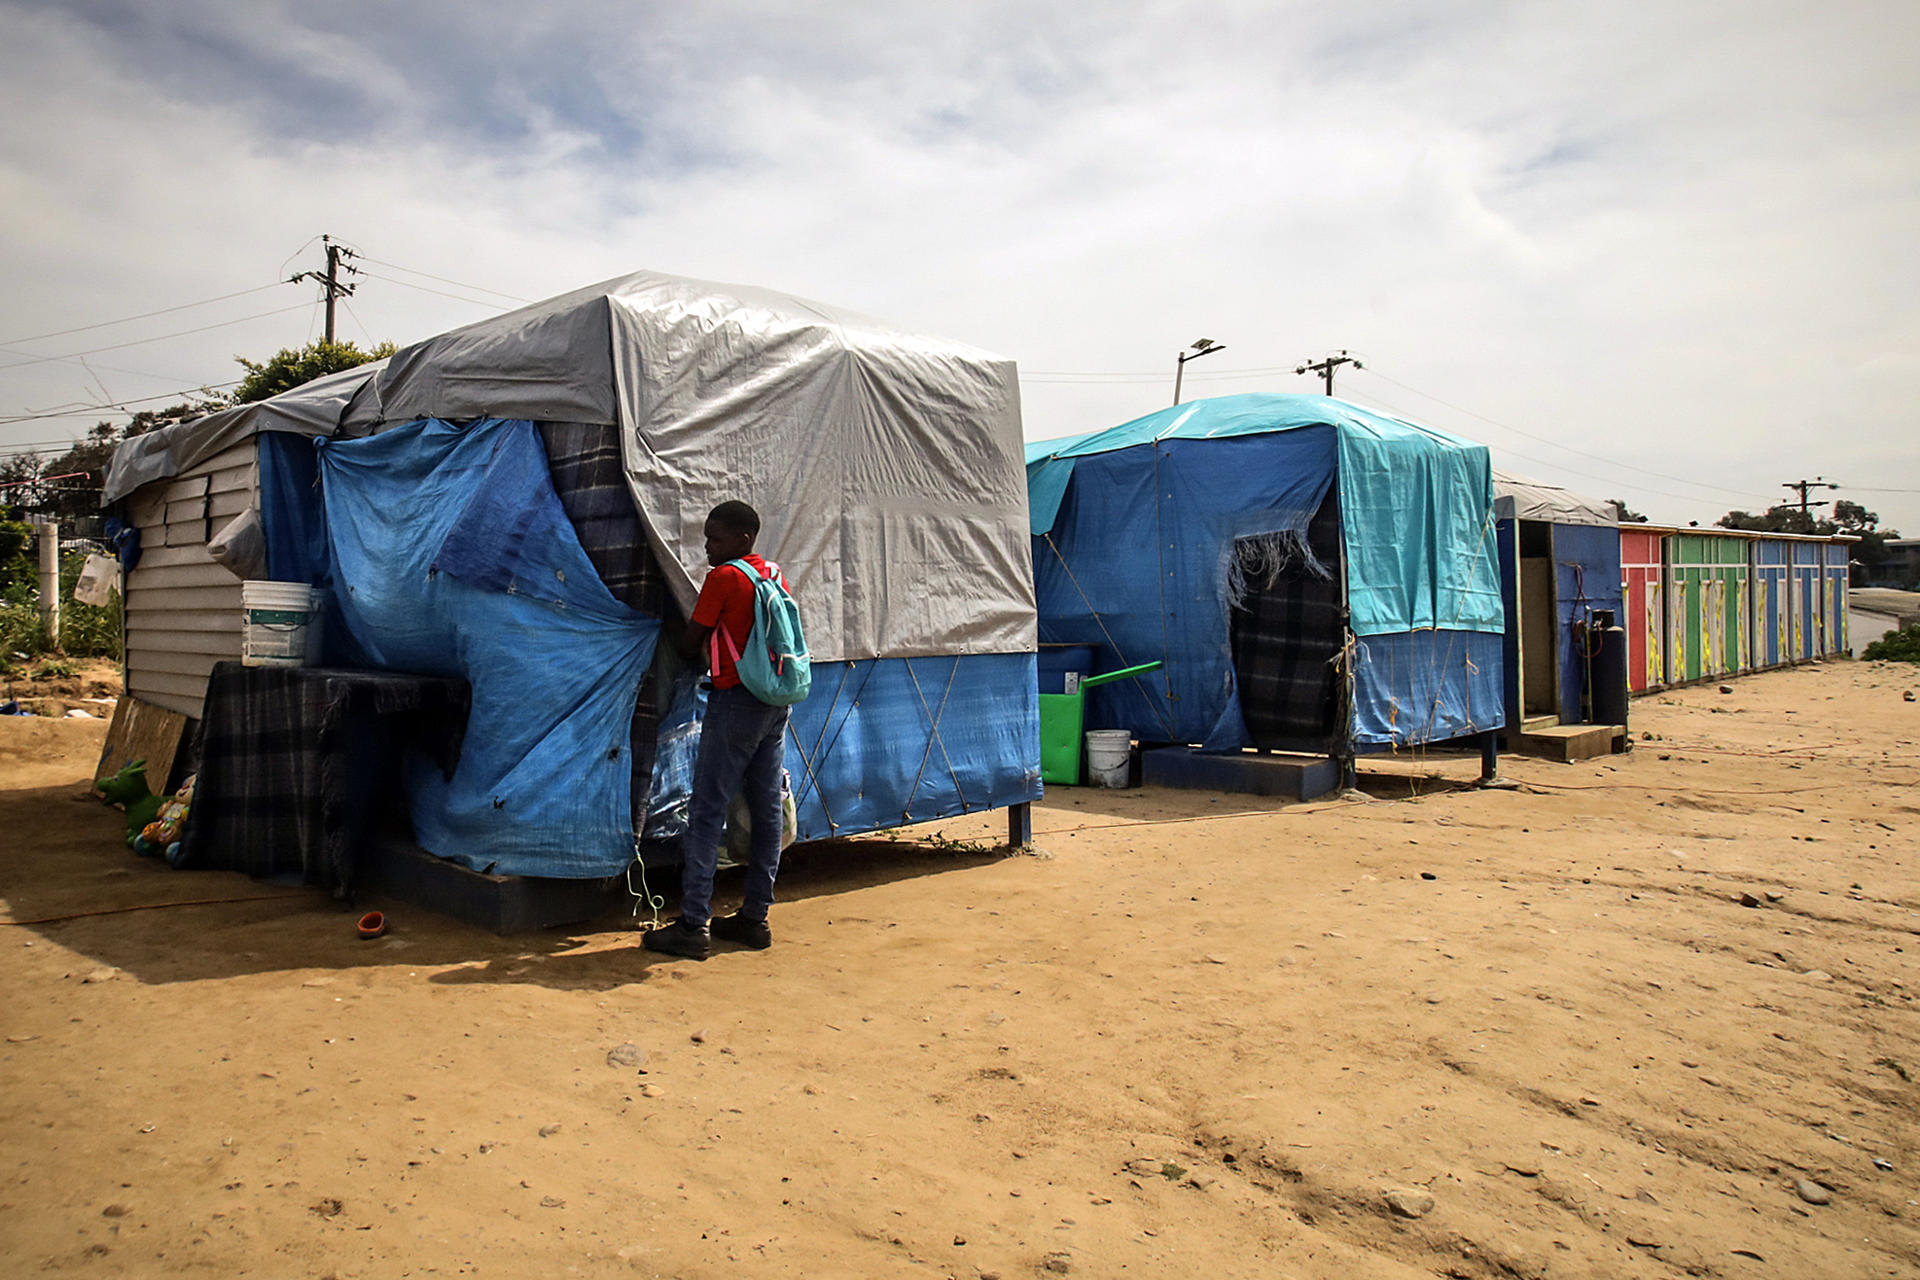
column 86, row 630
column 1895, row 646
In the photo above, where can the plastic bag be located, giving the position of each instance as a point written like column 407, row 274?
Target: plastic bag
column 679, row 745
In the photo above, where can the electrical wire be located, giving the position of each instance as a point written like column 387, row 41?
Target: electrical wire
column 155, row 906
column 408, row 284
column 1699, row 484
column 116, row 406
column 145, row 315
column 459, row 284
column 139, row 342
column 1505, row 451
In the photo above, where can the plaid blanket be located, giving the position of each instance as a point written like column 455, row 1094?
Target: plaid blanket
column 1285, row 634
column 296, row 761
column 591, row 481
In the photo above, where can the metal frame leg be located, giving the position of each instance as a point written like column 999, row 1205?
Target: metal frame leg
column 1019, row 825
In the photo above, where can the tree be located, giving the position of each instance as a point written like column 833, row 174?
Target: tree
column 1782, row 517
column 288, row 367
column 1625, row 514
column 1867, row 556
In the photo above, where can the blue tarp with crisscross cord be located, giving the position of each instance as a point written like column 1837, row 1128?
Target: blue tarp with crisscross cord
column 1135, row 529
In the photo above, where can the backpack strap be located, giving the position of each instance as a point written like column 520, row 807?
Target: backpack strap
column 720, row 632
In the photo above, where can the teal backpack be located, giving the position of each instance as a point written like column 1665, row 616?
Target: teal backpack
column 775, row 667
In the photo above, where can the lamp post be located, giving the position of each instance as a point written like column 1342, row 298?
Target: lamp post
column 1200, row 347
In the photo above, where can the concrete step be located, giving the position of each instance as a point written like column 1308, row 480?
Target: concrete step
column 1532, row 724
column 1297, row 777
column 1569, row 742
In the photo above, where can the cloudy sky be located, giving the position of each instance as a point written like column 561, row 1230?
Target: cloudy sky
column 1665, row 252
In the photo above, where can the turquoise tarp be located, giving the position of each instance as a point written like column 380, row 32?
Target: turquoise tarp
column 1416, row 503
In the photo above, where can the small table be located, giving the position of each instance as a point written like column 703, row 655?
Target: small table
column 295, row 762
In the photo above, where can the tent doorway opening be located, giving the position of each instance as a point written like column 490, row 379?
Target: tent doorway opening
column 1539, row 665
column 1287, row 629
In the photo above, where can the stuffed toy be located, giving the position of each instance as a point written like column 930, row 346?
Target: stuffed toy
column 163, row 833
column 128, row 789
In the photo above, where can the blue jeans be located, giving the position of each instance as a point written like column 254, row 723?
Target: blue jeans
column 743, row 743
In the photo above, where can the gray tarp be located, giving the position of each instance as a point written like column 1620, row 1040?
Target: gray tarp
column 1516, row 497
column 314, row 408
column 887, row 466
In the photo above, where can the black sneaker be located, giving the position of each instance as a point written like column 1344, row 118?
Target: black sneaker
column 748, row 933
column 678, row 939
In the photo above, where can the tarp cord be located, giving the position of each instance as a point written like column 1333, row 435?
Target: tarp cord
column 644, row 894
column 1094, row 613
column 933, row 738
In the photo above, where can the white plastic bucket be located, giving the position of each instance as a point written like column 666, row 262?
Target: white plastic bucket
column 275, row 620
column 1109, row 753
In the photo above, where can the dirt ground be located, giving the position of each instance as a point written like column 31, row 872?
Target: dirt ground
column 92, row 686
column 1646, row 1016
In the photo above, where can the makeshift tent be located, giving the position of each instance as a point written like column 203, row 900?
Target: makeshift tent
column 1559, row 566
column 1314, row 576
column 520, row 503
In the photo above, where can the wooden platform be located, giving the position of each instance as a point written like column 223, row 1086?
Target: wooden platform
column 398, row 868
column 1297, row 777
column 1569, row 742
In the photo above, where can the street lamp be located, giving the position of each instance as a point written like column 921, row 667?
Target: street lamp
column 1201, row 347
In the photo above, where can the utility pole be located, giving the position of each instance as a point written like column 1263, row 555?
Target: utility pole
column 49, row 532
column 335, row 287
column 1802, row 486
column 1200, row 347
column 1326, row 367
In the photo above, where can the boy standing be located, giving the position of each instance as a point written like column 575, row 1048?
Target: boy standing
column 742, row 749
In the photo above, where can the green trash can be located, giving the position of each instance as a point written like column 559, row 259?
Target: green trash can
column 1062, row 720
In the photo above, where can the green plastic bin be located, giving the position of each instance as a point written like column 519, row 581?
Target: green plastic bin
column 1062, row 721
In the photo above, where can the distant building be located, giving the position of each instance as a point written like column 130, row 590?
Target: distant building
column 1902, row 567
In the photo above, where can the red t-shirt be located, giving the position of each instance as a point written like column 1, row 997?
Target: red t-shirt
column 726, row 605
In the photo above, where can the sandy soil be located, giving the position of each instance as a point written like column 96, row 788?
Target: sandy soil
column 1196, row 1036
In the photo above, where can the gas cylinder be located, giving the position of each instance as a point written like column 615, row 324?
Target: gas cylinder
column 1609, row 647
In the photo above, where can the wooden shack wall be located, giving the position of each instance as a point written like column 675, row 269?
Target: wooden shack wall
column 182, row 609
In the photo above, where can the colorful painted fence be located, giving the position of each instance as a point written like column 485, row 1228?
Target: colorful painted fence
column 1836, row 639
column 1701, row 604
column 1643, row 583
column 1708, row 580
column 1772, row 602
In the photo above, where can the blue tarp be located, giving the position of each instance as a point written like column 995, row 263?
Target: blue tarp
column 1134, row 540
column 885, row 741
column 1415, row 503
column 1425, row 686
column 451, row 555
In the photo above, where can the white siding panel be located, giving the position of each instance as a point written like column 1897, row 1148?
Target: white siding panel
column 184, row 694
column 184, row 664
column 183, row 610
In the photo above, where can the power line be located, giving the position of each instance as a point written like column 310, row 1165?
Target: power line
column 1659, row 475
column 145, row 315
column 461, row 284
column 1633, row 486
column 138, row 342
column 408, row 284
column 118, row 406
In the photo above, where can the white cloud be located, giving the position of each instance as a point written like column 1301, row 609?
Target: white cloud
column 1678, row 236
